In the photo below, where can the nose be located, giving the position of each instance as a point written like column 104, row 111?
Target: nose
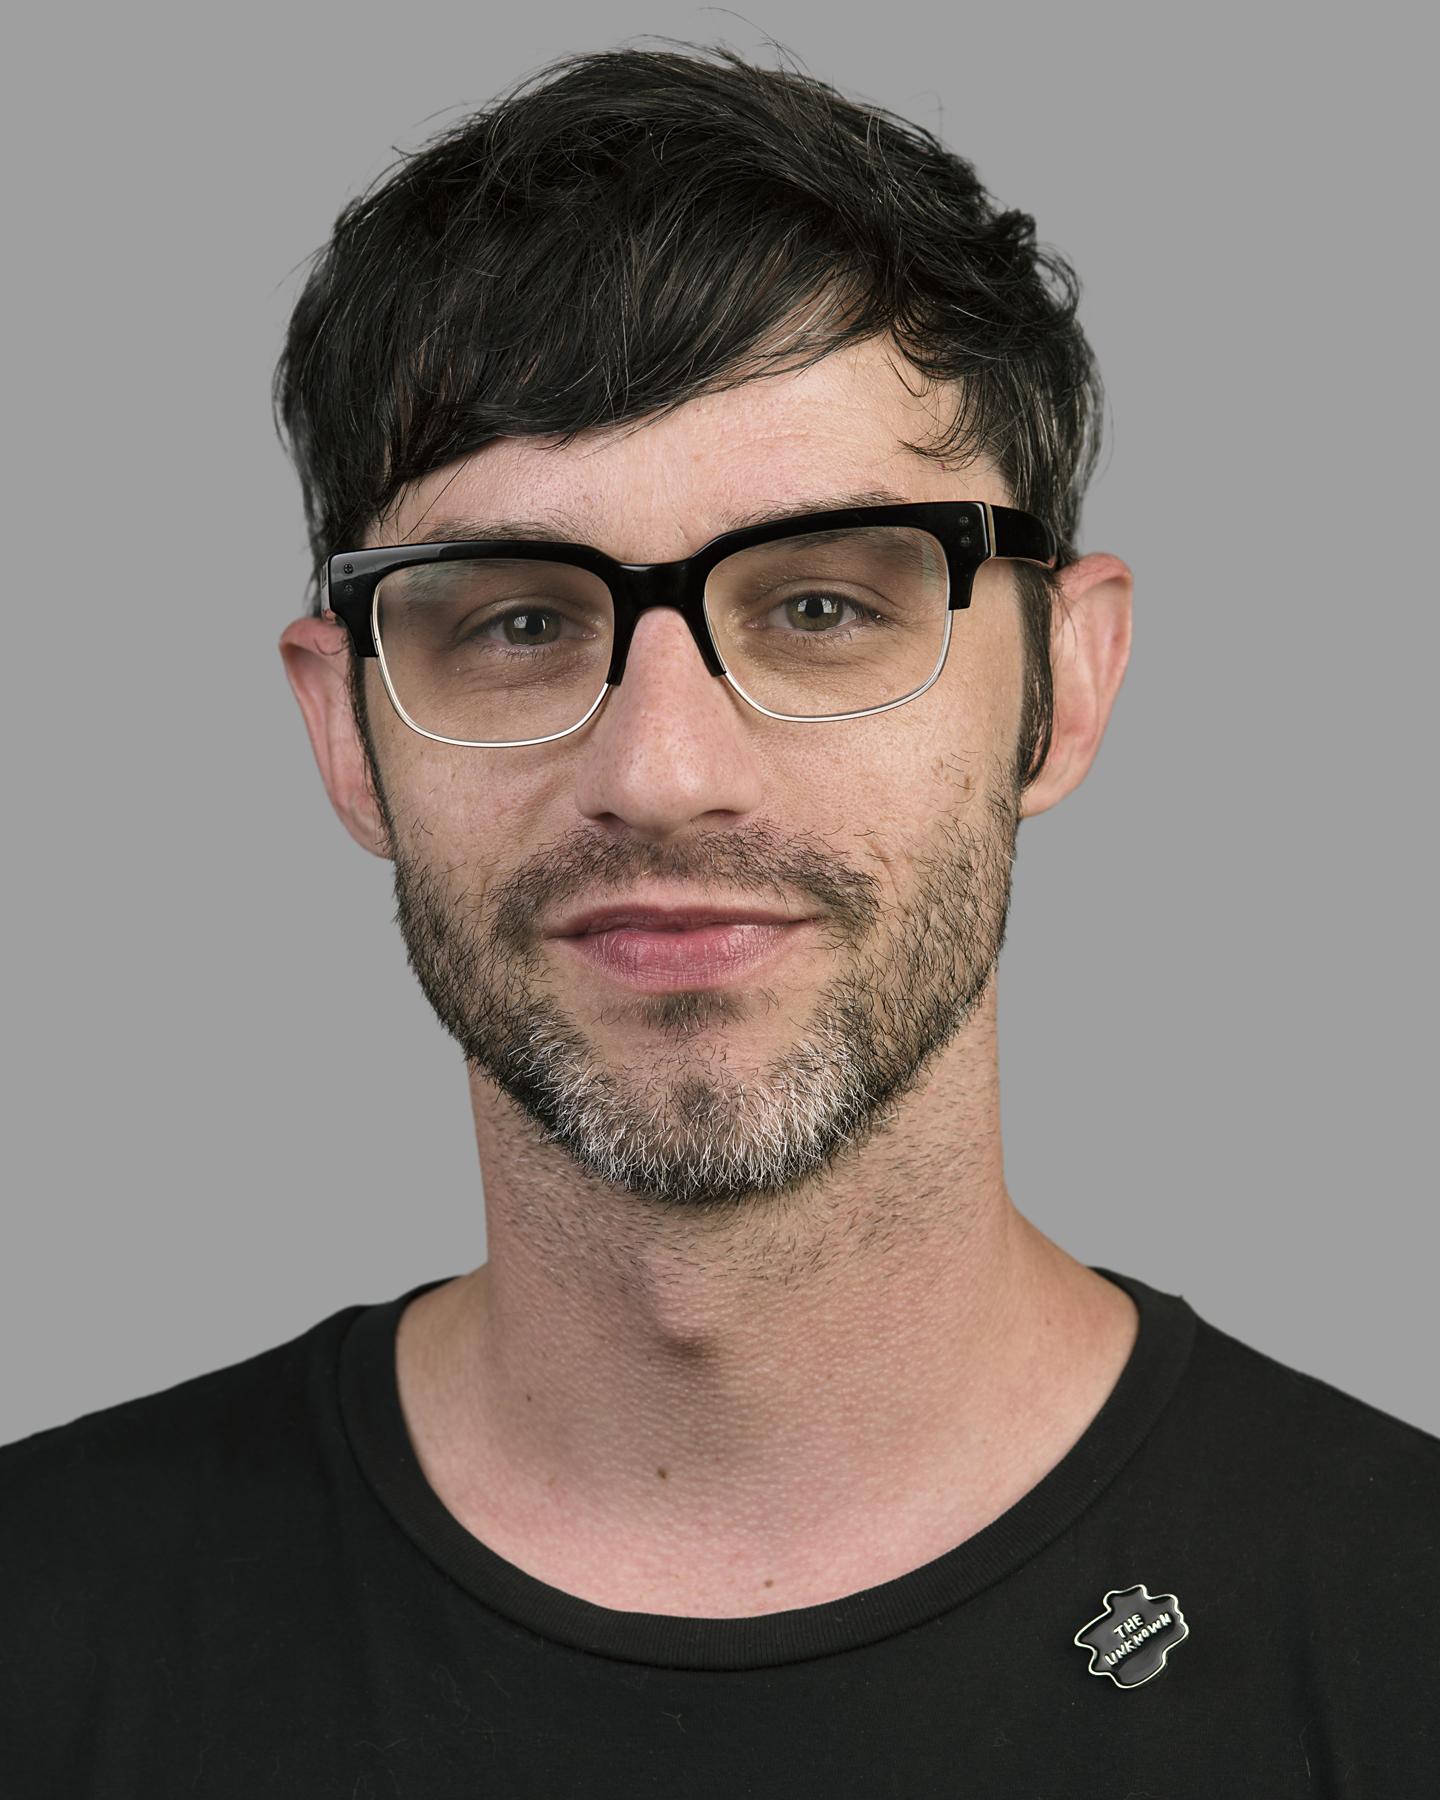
column 670, row 743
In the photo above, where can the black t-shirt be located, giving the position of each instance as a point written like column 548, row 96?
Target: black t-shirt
column 244, row 1586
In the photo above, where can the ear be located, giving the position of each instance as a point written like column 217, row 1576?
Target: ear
column 316, row 655
column 1089, row 648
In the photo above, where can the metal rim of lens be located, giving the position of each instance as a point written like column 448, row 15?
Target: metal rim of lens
column 864, row 712
column 463, row 743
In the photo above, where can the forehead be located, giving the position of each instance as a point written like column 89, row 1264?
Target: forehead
column 662, row 488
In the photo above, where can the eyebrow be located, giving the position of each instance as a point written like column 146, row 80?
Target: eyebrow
column 559, row 529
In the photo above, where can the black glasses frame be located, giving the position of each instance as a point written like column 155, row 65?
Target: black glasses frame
column 971, row 533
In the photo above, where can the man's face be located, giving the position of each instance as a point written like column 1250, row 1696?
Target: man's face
column 891, row 836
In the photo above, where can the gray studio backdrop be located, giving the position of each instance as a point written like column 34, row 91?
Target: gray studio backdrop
column 230, row 1111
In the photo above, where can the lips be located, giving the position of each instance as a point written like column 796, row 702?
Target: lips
column 663, row 918
column 699, row 956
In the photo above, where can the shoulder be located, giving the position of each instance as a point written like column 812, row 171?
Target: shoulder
column 134, row 1538
column 1310, row 1450
column 115, row 1483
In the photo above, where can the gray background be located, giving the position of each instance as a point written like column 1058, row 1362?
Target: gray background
column 230, row 1109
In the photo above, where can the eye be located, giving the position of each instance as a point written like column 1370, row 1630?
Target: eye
column 818, row 612
column 525, row 622
column 534, row 627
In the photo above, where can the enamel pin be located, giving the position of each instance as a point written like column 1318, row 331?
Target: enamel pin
column 1132, row 1637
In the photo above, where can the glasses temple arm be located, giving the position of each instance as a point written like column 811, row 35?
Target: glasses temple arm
column 1021, row 535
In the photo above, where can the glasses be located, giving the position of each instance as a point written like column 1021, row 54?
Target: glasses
column 499, row 642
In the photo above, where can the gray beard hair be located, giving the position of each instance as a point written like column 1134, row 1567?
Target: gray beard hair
column 691, row 1133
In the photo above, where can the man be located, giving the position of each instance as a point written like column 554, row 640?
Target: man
column 693, row 461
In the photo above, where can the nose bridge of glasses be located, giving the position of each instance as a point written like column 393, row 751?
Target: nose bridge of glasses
column 646, row 585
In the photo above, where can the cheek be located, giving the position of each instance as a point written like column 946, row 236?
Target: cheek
column 889, row 797
column 982, row 707
column 454, row 808
column 472, row 812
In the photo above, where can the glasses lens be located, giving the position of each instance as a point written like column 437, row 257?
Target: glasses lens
column 494, row 651
column 831, row 621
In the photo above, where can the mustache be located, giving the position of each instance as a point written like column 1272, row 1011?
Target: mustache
column 755, row 861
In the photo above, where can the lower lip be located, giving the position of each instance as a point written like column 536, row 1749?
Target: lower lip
column 706, row 957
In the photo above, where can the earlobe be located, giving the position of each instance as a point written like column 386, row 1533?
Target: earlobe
column 1089, row 648
column 316, row 656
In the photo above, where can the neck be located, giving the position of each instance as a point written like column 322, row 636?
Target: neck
column 710, row 1413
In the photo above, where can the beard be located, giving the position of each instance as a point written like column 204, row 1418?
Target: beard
column 677, row 1124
